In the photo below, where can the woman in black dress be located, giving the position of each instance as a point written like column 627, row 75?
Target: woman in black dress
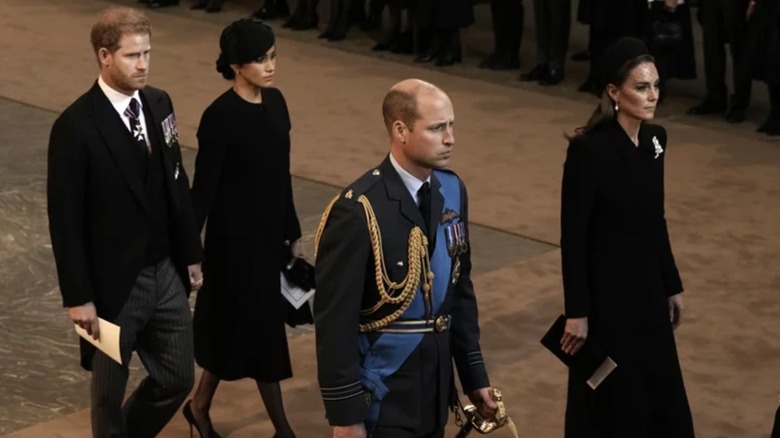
column 242, row 185
column 621, row 285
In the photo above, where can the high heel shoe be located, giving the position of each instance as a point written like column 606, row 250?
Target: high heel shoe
column 187, row 412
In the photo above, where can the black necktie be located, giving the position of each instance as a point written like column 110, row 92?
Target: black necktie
column 424, row 196
column 133, row 112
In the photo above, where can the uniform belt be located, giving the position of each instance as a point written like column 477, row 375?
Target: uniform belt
column 437, row 325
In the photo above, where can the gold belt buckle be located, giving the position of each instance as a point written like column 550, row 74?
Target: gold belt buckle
column 441, row 322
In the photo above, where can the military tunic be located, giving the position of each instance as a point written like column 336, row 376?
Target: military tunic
column 421, row 389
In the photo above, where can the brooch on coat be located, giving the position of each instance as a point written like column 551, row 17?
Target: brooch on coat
column 658, row 149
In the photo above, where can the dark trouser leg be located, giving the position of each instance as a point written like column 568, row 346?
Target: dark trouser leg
column 560, row 26
column 515, row 23
column 542, row 22
column 426, row 42
column 165, row 346
column 713, row 33
column 109, row 379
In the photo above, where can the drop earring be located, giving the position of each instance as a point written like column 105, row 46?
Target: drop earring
column 617, row 107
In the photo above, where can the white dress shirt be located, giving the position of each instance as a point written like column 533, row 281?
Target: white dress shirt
column 411, row 182
column 121, row 101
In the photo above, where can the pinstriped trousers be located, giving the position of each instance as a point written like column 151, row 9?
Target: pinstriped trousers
column 156, row 322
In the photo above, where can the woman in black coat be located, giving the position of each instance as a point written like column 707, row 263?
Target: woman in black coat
column 621, row 285
column 242, row 185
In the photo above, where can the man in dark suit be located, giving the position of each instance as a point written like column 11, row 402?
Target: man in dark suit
column 553, row 25
column 123, row 230
column 508, row 18
column 724, row 22
column 395, row 303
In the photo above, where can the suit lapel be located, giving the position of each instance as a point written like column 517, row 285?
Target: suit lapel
column 397, row 191
column 156, row 111
column 118, row 141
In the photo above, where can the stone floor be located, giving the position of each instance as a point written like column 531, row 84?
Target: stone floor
column 723, row 185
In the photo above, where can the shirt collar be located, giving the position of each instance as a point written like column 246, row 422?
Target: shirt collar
column 119, row 100
column 411, row 182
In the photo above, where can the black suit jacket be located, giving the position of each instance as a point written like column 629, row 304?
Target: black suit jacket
column 345, row 277
column 98, row 212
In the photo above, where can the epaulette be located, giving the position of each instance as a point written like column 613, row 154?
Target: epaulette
column 361, row 185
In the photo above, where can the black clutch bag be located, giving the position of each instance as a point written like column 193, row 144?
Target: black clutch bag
column 591, row 363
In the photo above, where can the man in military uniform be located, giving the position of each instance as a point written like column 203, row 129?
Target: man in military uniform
column 395, row 303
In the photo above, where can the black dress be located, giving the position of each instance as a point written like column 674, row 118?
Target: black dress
column 242, row 185
column 618, row 270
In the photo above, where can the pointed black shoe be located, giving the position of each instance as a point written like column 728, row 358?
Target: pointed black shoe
column 187, row 412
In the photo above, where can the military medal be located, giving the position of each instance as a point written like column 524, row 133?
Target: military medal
column 457, row 241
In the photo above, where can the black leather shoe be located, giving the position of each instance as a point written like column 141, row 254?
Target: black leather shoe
column 581, row 56
column 305, row 23
column 426, row 57
column 199, row 5
column 447, row 59
column 735, row 115
column 272, row 9
column 536, row 74
column 325, row 35
column 553, row 77
column 381, row 47
column 708, row 107
column 506, row 61
column 336, row 36
column 771, row 124
column 158, row 4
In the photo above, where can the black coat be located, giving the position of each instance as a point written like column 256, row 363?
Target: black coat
column 618, row 270
column 98, row 212
column 242, row 185
column 346, row 283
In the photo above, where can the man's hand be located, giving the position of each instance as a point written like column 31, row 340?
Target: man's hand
column 297, row 249
column 196, row 276
column 85, row 316
column 353, row 431
column 676, row 308
column 483, row 400
column 574, row 335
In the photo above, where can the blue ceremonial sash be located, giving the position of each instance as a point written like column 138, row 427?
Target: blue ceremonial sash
column 383, row 358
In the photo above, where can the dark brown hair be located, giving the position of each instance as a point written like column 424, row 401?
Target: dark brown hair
column 605, row 110
column 115, row 23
